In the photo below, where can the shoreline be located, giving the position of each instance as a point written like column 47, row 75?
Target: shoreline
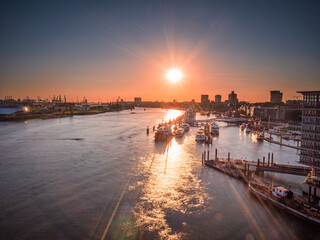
column 25, row 117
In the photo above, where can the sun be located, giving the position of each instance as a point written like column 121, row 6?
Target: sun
column 174, row 75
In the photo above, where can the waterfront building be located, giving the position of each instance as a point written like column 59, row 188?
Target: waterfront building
column 276, row 96
column 232, row 98
column 137, row 101
column 205, row 99
column 276, row 113
column 310, row 142
column 217, row 98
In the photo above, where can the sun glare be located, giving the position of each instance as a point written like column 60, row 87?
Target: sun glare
column 174, row 75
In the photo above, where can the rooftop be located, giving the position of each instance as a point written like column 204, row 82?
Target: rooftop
column 309, row 92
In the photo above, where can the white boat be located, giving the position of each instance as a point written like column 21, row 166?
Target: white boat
column 186, row 127
column 280, row 192
column 200, row 137
column 190, row 115
column 162, row 133
column 179, row 132
column 214, row 129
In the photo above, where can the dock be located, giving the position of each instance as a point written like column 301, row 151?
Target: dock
column 281, row 144
column 244, row 170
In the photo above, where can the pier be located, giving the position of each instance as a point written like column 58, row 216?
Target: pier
column 282, row 144
column 244, row 170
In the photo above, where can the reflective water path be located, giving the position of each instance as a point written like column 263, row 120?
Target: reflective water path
column 101, row 176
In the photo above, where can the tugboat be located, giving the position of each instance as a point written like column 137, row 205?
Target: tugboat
column 286, row 200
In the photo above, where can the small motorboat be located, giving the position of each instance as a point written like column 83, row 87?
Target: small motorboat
column 200, row 137
column 179, row 132
column 186, row 127
column 214, row 129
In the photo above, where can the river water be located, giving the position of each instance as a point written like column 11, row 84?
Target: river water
column 101, row 176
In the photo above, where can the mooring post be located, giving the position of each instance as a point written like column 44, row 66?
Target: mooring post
column 147, row 130
column 268, row 162
column 258, row 162
column 202, row 158
column 264, row 158
column 208, row 156
column 204, row 155
column 309, row 194
column 228, row 156
column 271, row 161
column 268, row 156
column 272, row 157
column 216, row 155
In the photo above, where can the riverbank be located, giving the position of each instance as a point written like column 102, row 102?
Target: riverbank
column 29, row 116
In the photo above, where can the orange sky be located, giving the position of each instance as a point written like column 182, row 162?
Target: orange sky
column 145, row 79
column 103, row 54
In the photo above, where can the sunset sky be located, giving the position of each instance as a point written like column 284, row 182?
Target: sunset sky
column 106, row 49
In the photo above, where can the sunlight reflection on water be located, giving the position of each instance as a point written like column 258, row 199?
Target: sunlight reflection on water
column 170, row 187
column 171, row 114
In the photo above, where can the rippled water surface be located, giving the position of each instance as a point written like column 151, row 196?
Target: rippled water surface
column 102, row 176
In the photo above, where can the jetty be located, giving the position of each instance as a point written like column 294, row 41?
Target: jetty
column 268, row 139
column 244, row 169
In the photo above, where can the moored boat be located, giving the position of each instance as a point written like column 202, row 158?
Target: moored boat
column 214, row 129
column 162, row 133
column 286, row 136
column 260, row 136
column 286, row 200
column 190, row 115
column 200, row 137
column 179, row 132
column 186, row 127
